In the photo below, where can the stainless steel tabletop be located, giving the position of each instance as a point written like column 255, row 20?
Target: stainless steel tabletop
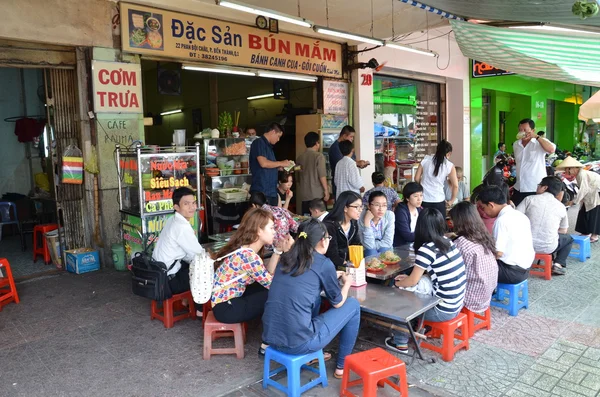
column 392, row 303
column 221, row 237
column 407, row 260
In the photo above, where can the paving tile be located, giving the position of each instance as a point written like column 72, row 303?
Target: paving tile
column 582, row 334
column 591, row 382
column 546, row 383
column 524, row 390
column 580, row 390
column 530, row 377
column 565, row 302
column 575, row 376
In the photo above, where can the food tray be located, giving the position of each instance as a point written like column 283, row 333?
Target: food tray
column 232, row 195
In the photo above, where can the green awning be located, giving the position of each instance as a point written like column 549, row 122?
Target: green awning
column 572, row 59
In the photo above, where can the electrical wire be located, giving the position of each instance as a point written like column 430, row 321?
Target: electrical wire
column 437, row 62
column 433, row 38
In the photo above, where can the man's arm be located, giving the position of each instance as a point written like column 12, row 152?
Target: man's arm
column 548, row 146
column 322, row 173
column 189, row 243
column 265, row 163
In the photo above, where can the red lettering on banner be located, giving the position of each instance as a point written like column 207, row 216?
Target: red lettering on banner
column 129, row 78
column 254, row 42
column 316, row 53
column 101, row 94
column 302, row 50
column 329, row 55
column 112, row 99
column 103, row 76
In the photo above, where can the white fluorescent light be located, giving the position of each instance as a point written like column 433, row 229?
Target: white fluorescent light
column 260, row 96
column 552, row 28
column 236, row 5
column 171, row 112
column 298, row 77
column 346, row 35
column 218, row 70
column 594, row 120
column 396, row 46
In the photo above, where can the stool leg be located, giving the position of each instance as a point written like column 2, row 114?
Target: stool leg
column 448, row 346
column 402, row 382
column 266, row 369
column 207, row 345
column 369, row 387
column 323, row 370
column 238, row 338
column 345, row 379
column 152, row 309
column 293, row 374
column 500, row 294
column 168, row 313
column 525, row 293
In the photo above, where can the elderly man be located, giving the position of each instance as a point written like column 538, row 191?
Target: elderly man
column 530, row 155
column 549, row 222
column 264, row 166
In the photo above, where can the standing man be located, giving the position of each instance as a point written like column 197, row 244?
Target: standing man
column 312, row 180
column 335, row 155
column 530, row 155
column 264, row 166
column 549, row 222
column 348, row 176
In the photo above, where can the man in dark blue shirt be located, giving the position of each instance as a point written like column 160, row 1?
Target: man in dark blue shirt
column 263, row 164
column 335, row 154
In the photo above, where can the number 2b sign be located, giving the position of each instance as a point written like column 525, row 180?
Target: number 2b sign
column 366, row 79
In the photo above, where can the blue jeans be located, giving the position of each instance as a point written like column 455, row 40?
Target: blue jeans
column 435, row 315
column 373, row 252
column 344, row 321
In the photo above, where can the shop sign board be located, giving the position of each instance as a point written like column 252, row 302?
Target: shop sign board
column 482, row 69
column 335, row 97
column 157, row 32
column 117, row 87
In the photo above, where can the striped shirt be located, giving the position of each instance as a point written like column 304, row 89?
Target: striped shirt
column 447, row 274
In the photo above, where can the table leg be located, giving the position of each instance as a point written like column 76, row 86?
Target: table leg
column 414, row 338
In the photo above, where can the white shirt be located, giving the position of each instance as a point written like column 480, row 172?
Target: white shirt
column 433, row 186
column 347, row 177
column 531, row 165
column 323, row 215
column 177, row 241
column 512, row 232
column 546, row 215
column 413, row 221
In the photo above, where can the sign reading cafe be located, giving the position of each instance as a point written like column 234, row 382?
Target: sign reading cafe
column 153, row 31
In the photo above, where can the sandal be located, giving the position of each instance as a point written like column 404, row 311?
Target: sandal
column 326, row 356
column 337, row 374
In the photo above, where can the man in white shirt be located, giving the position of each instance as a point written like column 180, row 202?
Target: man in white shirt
column 347, row 177
column 530, row 156
column 318, row 209
column 177, row 244
column 549, row 222
column 512, row 232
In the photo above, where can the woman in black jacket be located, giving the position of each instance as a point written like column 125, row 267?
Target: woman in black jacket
column 342, row 226
column 407, row 213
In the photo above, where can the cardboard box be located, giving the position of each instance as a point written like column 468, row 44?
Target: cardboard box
column 82, row 260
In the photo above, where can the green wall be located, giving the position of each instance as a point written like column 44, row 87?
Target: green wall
column 521, row 97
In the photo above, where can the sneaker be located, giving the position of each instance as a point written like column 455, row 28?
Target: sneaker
column 400, row 348
column 558, row 270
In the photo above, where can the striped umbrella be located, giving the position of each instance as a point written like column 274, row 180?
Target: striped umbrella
column 572, row 59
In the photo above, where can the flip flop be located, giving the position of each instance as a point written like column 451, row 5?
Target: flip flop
column 336, row 375
column 594, row 241
column 326, row 356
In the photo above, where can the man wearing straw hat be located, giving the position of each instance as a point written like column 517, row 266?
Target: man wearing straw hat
column 588, row 218
column 530, row 155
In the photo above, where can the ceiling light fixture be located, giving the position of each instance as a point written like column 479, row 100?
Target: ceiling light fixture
column 236, row 5
column 260, row 96
column 239, row 72
column 346, row 35
column 171, row 112
column 552, row 28
column 397, row 46
column 287, row 76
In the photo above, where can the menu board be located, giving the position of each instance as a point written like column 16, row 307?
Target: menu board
column 426, row 127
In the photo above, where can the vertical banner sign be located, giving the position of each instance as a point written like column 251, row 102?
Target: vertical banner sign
column 335, row 97
column 164, row 33
column 117, row 87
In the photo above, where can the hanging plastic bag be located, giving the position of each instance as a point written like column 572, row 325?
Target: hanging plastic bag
column 72, row 166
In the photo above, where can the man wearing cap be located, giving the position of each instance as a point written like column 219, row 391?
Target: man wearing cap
column 530, row 155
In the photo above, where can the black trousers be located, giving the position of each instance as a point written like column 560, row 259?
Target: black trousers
column 180, row 282
column 565, row 242
column 247, row 307
column 508, row 274
column 518, row 196
column 438, row 206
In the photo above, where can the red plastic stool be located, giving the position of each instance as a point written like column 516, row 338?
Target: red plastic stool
column 214, row 329
column 166, row 313
column 486, row 320
column 8, row 290
column 42, row 249
column 545, row 269
column 447, row 330
column 374, row 367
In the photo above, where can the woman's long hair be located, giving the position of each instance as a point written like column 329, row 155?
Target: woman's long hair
column 345, row 199
column 299, row 258
column 431, row 227
column 443, row 148
column 468, row 224
column 247, row 233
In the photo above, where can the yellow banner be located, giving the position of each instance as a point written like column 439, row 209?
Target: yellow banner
column 146, row 30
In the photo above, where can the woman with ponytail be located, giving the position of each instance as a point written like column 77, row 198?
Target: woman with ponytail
column 432, row 175
column 291, row 322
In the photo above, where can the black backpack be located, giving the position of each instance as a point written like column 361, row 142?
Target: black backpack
column 149, row 277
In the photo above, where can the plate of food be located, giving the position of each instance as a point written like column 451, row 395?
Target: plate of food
column 374, row 265
column 389, row 258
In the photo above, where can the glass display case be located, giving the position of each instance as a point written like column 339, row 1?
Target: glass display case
column 147, row 178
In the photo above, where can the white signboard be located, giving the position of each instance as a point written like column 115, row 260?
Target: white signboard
column 117, row 87
column 335, row 97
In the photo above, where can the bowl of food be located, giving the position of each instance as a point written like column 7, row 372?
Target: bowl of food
column 153, row 23
column 374, row 265
column 389, row 258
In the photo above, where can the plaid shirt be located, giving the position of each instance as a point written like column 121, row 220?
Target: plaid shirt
column 482, row 274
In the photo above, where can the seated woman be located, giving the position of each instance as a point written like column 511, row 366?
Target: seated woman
column 241, row 279
column 407, row 213
column 342, row 226
column 282, row 218
column 478, row 251
column 284, row 189
column 292, row 323
column 439, row 257
column 376, row 225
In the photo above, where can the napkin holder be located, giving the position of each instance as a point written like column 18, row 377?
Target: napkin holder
column 358, row 275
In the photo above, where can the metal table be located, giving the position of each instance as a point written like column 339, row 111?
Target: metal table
column 221, row 237
column 396, row 305
column 214, row 247
column 407, row 260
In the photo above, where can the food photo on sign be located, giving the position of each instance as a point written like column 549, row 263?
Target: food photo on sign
column 145, row 29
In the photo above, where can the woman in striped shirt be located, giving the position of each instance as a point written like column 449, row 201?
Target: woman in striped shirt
column 439, row 257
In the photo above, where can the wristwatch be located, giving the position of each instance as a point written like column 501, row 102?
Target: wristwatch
column 277, row 252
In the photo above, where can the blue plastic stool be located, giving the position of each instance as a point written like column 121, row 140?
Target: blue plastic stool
column 584, row 248
column 518, row 297
column 293, row 365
